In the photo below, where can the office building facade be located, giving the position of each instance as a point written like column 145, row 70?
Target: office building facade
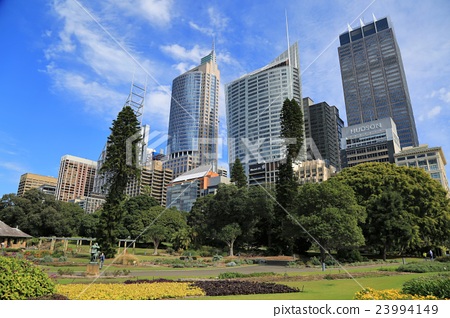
column 30, row 181
column 75, row 178
column 313, row 171
column 194, row 118
column 375, row 141
column 323, row 126
column 373, row 79
column 253, row 106
column 153, row 180
column 430, row 159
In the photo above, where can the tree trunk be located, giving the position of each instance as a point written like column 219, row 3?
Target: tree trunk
column 231, row 248
column 155, row 244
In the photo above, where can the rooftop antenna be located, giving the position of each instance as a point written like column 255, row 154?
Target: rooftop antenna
column 287, row 36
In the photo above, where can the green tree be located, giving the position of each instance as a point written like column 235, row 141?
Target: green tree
column 229, row 234
column 198, row 220
column 292, row 127
column 390, row 227
column 39, row 214
column 292, row 130
column 425, row 203
column 162, row 224
column 329, row 215
column 238, row 174
column 118, row 170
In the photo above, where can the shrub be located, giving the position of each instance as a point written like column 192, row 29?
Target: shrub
column 438, row 286
column 217, row 258
column 65, row 271
column 46, row 259
column 62, row 259
column 236, row 287
column 424, row 267
column 443, row 259
column 230, row 275
column 349, row 256
column 126, row 259
column 21, row 279
column 315, row 261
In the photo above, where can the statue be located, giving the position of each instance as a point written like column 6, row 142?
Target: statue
column 94, row 253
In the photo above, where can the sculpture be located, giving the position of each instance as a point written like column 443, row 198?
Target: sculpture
column 94, row 253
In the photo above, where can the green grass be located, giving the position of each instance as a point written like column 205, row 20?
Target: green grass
column 342, row 289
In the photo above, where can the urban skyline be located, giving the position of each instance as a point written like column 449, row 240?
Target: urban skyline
column 67, row 83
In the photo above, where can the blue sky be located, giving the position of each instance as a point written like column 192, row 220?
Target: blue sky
column 66, row 66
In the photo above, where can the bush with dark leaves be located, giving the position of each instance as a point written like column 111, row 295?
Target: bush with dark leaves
column 232, row 287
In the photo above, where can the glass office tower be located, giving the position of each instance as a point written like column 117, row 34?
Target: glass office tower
column 374, row 80
column 194, row 118
column 253, row 104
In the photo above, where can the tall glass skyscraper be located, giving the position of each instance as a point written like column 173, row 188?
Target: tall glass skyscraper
column 374, row 80
column 254, row 103
column 194, row 118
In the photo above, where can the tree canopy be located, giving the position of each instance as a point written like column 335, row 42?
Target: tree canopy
column 421, row 202
column 40, row 214
column 328, row 214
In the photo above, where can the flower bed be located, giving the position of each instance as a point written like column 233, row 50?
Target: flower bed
column 129, row 291
column 388, row 294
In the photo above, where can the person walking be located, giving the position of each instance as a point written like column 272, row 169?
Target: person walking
column 431, row 255
column 102, row 259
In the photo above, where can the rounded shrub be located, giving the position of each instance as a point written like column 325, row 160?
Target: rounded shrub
column 437, row 285
column 20, row 279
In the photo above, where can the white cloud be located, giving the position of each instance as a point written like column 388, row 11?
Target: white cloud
column 203, row 30
column 156, row 12
column 98, row 98
column 443, row 94
column 218, row 20
column 432, row 113
column 12, row 166
column 157, row 107
column 178, row 52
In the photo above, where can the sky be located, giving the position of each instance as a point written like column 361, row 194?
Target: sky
column 66, row 66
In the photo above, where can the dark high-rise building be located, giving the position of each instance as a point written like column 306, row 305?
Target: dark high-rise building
column 374, row 80
column 323, row 126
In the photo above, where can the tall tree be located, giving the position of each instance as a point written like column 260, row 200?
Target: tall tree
column 118, row 170
column 329, row 215
column 238, row 174
column 292, row 127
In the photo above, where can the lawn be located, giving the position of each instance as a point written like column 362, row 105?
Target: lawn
column 341, row 289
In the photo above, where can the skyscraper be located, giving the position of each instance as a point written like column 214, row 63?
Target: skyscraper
column 324, row 126
column 374, row 80
column 75, row 178
column 194, row 118
column 254, row 102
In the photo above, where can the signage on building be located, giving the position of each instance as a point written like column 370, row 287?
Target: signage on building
column 259, row 167
column 365, row 128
